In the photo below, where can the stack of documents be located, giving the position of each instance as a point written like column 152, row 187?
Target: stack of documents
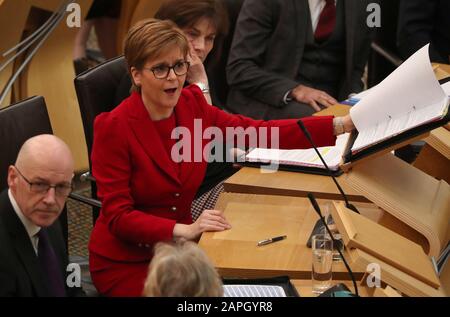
column 408, row 98
column 307, row 158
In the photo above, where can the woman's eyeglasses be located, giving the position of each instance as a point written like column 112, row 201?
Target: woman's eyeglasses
column 162, row 71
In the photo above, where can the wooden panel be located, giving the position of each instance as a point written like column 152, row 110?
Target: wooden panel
column 133, row 11
column 126, row 14
column 441, row 71
column 413, row 197
column 404, row 283
column 49, row 5
column 145, row 9
column 13, row 17
column 433, row 163
column 439, row 139
column 252, row 180
column 384, row 244
column 51, row 75
column 386, row 292
column 335, row 110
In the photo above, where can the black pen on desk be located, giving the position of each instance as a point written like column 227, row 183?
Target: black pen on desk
column 270, row 240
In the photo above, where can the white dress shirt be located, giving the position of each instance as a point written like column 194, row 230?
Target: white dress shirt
column 30, row 227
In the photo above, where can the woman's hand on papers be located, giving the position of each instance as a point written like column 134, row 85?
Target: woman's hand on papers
column 313, row 97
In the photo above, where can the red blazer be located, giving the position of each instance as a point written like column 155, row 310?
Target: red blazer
column 143, row 195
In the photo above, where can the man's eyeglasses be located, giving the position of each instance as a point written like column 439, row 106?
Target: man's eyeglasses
column 162, row 71
column 62, row 190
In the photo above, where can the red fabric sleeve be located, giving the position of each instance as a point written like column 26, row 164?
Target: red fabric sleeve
column 290, row 134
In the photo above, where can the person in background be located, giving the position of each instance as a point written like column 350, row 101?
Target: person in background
column 103, row 15
column 181, row 270
column 292, row 58
column 421, row 22
column 201, row 21
column 32, row 248
column 146, row 181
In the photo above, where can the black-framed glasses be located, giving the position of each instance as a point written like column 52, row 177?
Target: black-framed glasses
column 62, row 190
column 162, row 71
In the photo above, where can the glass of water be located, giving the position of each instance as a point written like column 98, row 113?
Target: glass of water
column 322, row 262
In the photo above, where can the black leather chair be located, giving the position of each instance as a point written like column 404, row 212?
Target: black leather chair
column 98, row 91
column 18, row 123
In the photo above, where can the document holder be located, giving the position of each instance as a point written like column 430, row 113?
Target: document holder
column 403, row 264
column 413, row 198
column 393, row 142
column 296, row 168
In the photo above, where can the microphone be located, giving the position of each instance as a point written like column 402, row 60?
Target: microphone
column 318, row 227
column 316, row 207
column 330, row 172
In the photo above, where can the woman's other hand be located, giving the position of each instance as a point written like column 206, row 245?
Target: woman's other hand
column 209, row 220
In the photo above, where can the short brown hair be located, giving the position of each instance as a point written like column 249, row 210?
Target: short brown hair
column 148, row 39
column 182, row 269
column 185, row 13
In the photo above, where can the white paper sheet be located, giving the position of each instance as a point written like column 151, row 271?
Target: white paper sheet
column 308, row 157
column 253, row 291
column 410, row 96
column 446, row 88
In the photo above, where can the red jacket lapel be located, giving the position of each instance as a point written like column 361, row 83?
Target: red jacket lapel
column 146, row 134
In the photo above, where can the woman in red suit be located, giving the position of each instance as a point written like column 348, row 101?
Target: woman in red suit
column 146, row 193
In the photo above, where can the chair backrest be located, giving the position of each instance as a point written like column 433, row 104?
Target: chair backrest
column 18, row 123
column 97, row 90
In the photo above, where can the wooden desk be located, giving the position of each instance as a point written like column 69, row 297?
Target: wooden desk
column 256, row 217
column 441, row 71
column 336, row 110
column 251, row 180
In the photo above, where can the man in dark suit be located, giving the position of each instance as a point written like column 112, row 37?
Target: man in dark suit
column 32, row 250
column 291, row 58
column 421, row 22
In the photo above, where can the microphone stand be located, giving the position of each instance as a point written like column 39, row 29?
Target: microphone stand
column 318, row 226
